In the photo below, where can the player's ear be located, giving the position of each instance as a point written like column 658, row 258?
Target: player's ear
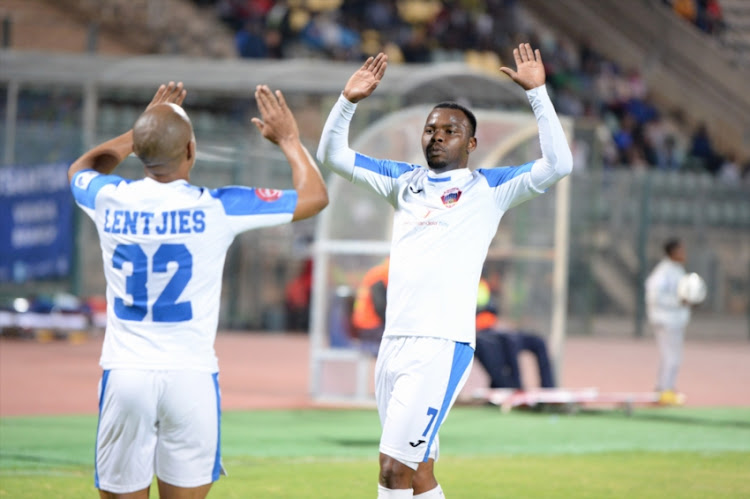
column 191, row 150
column 471, row 145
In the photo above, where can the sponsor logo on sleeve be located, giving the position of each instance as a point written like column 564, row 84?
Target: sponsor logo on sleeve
column 268, row 195
column 84, row 179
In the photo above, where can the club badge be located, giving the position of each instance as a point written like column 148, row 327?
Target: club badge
column 451, row 197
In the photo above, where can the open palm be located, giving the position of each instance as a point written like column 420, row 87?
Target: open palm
column 364, row 81
column 529, row 71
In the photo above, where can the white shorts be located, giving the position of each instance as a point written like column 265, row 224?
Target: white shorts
column 417, row 380
column 166, row 422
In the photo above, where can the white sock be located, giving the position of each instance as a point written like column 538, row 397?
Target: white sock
column 384, row 493
column 435, row 493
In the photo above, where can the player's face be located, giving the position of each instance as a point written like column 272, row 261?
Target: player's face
column 447, row 140
column 679, row 254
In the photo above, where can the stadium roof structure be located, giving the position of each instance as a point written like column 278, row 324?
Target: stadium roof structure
column 411, row 84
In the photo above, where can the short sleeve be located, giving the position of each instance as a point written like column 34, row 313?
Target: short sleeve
column 251, row 208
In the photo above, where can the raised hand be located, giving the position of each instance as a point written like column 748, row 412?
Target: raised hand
column 364, row 81
column 529, row 67
column 277, row 123
column 171, row 93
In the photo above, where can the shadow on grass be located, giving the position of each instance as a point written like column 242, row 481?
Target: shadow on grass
column 353, row 442
column 6, row 458
column 671, row 418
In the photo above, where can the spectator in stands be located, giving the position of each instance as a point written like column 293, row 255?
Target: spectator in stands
column 250, row 41
column 686, row 9
column 702, row 150
column 730, row 171
column 499, row 346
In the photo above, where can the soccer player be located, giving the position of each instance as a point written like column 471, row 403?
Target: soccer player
column 164, row 241
column 446, row 216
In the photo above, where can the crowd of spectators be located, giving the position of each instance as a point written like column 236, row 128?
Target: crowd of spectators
column 583, row 83
column 705, row 14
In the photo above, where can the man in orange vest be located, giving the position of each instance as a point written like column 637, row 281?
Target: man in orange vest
column 368, row 315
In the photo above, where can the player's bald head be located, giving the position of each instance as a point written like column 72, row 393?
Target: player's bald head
column 161, row 136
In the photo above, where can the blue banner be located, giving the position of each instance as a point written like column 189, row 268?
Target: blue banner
column 36, row 222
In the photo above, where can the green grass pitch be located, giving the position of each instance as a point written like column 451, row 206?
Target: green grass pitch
column 654, row 453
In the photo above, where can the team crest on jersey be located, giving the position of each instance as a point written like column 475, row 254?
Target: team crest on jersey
column 268, row 195
column 451, row 197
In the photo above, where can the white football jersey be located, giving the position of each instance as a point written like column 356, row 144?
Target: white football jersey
column 444, row 223
column 163, row 246
column 442, row 229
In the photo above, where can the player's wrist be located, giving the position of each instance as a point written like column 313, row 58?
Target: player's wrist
column 539, row 89
column 348, row 99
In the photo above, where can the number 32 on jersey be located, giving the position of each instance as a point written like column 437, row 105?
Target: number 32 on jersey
column 165, row 308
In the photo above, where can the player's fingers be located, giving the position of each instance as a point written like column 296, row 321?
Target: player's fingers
column 174, row 92
column 159, row 91
column 181, row 97
column 538, row 55
column 379, row 65
column 262, row 100
column 258, row 123
column 381, row 70
column 529, row 52
column 517, row 57
column 167, row 91
column 522, row 52
column 368, row 63
column 281, row 100
column 380, row 59
column 508, row 72
column 271, row 99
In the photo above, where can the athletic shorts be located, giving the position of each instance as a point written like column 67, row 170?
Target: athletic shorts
column 167, row 422
column 417, row 380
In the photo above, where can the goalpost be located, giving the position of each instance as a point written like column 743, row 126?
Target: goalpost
column 529, row 252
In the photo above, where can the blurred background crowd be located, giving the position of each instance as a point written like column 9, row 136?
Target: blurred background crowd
column 584, row 83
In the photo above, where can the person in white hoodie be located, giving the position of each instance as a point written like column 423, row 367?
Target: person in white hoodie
column 668, row 315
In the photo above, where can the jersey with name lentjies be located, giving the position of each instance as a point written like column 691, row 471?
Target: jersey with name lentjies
column 163, row 248
column 442, row 229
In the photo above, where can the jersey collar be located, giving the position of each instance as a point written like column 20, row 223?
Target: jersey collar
column 449, row 175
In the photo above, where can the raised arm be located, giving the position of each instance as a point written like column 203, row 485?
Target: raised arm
column 105, row 157
column 279, row 126
column 333, row 150
column 557, row 160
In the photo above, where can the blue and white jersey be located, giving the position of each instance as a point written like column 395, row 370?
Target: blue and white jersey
column 444, row 223
column 442, row 228
column 163, row 246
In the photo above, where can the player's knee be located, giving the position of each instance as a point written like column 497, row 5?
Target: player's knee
column 394, row 474
column 424, row 479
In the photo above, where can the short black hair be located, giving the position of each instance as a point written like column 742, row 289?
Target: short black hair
column 671, row 245
column 469, row 115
